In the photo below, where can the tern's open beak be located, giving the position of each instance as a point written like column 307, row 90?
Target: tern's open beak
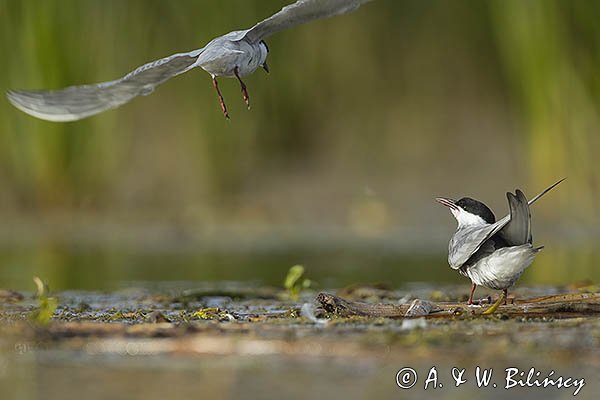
column 447, row 202
column 265, row 67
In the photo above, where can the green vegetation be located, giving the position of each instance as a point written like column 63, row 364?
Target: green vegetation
column 550, row 54
column 211, row 313
column 363, row 120
column 295, row 283
column 46, row 305
column 538, row 59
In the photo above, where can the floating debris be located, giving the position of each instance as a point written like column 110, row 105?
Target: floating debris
column 213, row 313
column 345, row 308
column 156, row 317
column 419, row 308
column 10, row 296
column 573, row 305
column 308, row 311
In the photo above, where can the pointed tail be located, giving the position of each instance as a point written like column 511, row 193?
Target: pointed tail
column 545, row 191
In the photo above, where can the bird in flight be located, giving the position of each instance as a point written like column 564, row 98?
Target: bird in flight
column 235, row 54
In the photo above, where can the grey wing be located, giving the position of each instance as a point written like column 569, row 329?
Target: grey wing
column 77, row 102
column 518, row 230
column 464, row 244
column 467, row 241
column 487, row 248
column 301, row 12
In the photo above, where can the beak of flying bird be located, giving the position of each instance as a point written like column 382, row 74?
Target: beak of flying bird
column 265, row 67
column 451, row 204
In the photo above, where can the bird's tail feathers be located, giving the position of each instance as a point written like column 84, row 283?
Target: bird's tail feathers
column 518, row 230
column 536, row 198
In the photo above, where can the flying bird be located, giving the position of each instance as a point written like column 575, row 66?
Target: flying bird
column 235, row 54
column 492, row 253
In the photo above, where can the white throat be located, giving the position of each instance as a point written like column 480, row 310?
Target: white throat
column 465, row 218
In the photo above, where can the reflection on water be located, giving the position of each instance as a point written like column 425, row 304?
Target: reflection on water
column 104, row 268
column 62, row 375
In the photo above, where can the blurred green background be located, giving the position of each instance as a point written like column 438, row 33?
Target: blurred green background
column 363, row 121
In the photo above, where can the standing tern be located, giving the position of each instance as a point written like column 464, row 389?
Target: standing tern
column 492, row 253
column 235, row 54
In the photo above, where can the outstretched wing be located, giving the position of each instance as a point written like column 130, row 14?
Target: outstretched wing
column 300, row 12
column 472, row 239
column 77, row 102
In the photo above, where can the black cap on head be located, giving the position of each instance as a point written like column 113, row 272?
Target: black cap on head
column 478, row 208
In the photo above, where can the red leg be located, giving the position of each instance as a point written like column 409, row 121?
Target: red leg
column 221, row 101
column 471, row 296
column 505, row 291
column 243, row 86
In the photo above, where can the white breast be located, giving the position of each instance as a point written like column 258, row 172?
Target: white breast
column 502, row 268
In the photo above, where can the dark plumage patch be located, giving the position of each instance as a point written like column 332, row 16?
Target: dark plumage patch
column 266, row 46
column 478, row 208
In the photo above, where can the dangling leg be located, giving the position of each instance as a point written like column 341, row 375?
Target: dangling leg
column 243, row 85
column 505, row 292
column 471, row 296
column 221, row 101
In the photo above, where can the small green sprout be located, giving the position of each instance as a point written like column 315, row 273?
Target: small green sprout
column 213, row 313
column 294, row 282
column 47, row 305
column 207, row 313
